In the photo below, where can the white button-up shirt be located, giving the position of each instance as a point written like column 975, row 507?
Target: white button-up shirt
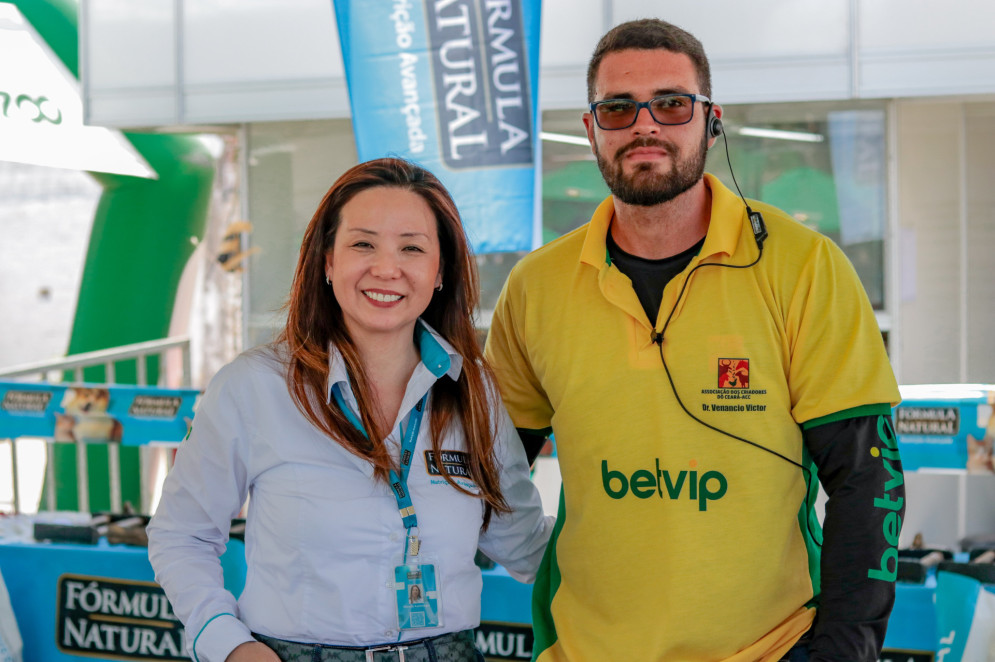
column 322, row 536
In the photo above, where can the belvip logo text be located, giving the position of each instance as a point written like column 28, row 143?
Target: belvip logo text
column 890, row 502
column 663, row 483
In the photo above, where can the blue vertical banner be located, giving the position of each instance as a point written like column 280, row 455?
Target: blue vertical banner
column 965, row 618
column 453, row 86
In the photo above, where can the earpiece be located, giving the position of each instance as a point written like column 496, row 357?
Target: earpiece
column 714, row 125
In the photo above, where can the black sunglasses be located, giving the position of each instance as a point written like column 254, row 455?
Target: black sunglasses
column 669, row 109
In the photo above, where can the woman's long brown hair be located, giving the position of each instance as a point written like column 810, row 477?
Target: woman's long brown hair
column 314, row 321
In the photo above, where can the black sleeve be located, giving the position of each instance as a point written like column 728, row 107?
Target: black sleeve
column 533, row 441
column 861, row 472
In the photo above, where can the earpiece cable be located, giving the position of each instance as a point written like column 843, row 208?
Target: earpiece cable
column 759, row 234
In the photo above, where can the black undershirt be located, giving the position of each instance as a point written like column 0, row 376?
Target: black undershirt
column 649, row 277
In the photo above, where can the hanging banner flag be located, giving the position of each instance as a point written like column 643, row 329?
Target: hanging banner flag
column 452, row 85
column 965, row 618
column 41, row 110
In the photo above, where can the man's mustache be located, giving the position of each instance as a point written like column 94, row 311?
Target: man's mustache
column 668, row 147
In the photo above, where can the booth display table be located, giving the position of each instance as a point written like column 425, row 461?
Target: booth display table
column 912, row 627
column 505, row 631
column 101, row 601
column 96, row 601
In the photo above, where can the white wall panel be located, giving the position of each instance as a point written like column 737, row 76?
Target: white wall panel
column 132, row 107
column 251, row 41
column 263, row 102
column 980, row 270
column 768, row 50
column 929, row 208
column 947, row 202
column 925, row 49
column 227, row 61
column 248, row 60
column 128, row 44
column 563, row 88
column 927, row 72
column 900, row 25
column 128, row 62
column 781, row 79
column 757, row 29
column 570, row 31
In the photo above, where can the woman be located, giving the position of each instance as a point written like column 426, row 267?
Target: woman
column 372, row 442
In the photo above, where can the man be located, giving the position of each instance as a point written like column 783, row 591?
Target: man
column 692, row 373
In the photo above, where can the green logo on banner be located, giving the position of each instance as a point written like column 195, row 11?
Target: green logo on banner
column 36, row 109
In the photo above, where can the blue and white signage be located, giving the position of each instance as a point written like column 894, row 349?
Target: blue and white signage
column 452, row 85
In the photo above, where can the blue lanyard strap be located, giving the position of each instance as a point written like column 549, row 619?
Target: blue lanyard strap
column 409, row 437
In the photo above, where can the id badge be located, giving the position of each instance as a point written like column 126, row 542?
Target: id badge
column 417, row 596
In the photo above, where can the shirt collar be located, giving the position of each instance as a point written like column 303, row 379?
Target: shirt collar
column 725, row 226
column 595, row 250
column 437, row 355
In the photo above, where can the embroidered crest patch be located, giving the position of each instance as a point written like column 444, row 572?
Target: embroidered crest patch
column 734, row 373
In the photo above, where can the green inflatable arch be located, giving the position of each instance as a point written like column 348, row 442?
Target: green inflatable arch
column 138, row 248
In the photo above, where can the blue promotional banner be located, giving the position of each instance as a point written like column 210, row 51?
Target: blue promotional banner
column 965, row 618
column 946, row 426
column 453, row 86
column 98, row 602
column 129, row 415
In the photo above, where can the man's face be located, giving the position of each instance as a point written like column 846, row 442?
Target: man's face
column 648, row 163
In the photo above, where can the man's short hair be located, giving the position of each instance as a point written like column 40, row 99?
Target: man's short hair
column 651, row 34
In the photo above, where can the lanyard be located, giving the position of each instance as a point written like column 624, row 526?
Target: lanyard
column 398, row 483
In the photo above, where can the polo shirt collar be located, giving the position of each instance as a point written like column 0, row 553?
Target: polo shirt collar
column 437, row 356
column 595, row 250
column 725, row 227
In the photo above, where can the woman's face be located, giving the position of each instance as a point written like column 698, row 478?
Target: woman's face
column 385, row 263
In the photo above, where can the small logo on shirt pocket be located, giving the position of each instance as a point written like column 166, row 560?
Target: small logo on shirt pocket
column 457, row 463
column 734, row 373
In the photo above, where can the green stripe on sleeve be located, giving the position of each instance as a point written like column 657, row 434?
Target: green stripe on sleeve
column 810, row 527
column 544, row 590
column 883, row 409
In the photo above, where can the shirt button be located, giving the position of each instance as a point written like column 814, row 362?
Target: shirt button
column 389, row 633
column 394, row 537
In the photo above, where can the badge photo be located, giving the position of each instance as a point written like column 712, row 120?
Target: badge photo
column 417, row 596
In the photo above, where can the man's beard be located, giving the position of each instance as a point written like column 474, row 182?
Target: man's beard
column 645, row 187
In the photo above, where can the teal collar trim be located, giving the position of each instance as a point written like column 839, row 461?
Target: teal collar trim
column 433, row 354
column 437, row 355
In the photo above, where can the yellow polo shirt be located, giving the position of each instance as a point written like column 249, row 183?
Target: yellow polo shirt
column 675, row 542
